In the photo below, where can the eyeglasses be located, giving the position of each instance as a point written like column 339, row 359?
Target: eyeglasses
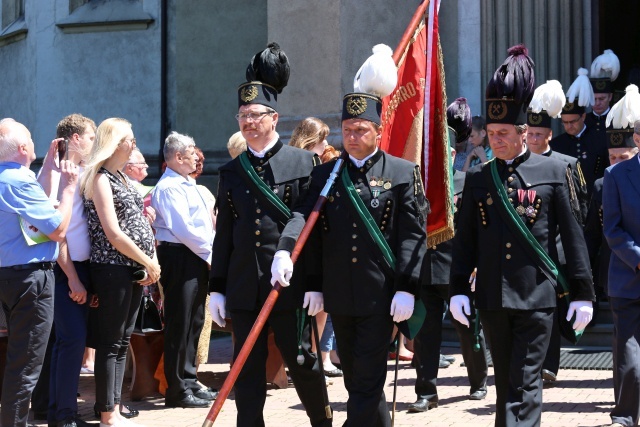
column 131, row 140
column 571, row 122
column 252, row 116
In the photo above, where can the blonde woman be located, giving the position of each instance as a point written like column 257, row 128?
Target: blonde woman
column 122, row 244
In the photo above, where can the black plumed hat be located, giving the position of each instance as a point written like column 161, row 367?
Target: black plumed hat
column 267, row 74
column 459, row 118
column 511, row 88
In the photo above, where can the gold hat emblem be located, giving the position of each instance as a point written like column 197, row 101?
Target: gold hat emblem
column 497, row 110
column 356, row 105
column 601, row 84
column 249, row 93
column 616, row 139
column 568, row 106
column 535, row 119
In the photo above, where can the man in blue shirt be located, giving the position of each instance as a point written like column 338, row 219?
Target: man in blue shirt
column 31, row 228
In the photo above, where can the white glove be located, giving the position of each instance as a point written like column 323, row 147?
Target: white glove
column 281, row 268
column 583, row 311
column 216, row 308
column 459, row 306
column 314, row 301
column 402, row 306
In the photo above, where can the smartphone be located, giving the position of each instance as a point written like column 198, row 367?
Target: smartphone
column 140, row 275
column 63, row 149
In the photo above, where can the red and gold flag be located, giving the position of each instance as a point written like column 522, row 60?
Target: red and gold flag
column 415, row 123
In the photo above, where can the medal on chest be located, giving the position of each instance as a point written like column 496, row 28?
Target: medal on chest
column 375, row 202
column 520, row 208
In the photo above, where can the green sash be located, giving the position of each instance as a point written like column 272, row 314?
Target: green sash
column 531, row 240
column 267, row 194
column 411, row 326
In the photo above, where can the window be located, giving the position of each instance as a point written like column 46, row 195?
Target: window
column 14, row 27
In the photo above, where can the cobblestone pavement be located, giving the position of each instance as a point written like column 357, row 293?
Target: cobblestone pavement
column 580, row 398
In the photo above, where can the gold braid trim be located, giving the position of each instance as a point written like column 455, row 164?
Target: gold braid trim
column 444, row 233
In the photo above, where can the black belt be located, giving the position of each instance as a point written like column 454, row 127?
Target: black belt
column 176, row 245
column 48, row 265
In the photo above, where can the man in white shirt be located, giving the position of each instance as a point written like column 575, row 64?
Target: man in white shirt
column 185, row 237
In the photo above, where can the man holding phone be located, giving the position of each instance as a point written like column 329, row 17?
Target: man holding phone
column 75, row 135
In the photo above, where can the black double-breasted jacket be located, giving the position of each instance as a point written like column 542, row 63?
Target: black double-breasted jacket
column 354, row 279
column 508, row 276
column 438, row 259
column 248, row 230
column 599, row 251
column 590, row 148
column 579, row 183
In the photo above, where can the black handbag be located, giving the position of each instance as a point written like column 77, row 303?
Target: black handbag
column 148, row 320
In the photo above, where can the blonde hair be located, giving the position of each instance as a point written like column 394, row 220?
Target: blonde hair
column 308, row 133
column 108, row 135
column 236, row 145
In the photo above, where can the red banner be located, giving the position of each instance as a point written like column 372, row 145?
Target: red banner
column 420, row 94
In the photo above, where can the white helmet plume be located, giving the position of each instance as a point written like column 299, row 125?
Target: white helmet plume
column 548, row 97
column 606, row 65
column 626, row 111
column 378, row 75
column 581, row 88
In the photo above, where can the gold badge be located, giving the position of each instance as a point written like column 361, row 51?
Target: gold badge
column 387, row 185
column 249, row 93
column 616, row 139
column 601, row 84
column 568, row 106
column 356, row 105
column 535, row 119
column 497, row 110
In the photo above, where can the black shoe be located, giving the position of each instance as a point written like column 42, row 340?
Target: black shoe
column 333, row 373
column 448, row 358
column 478, row 395
column 443, row 363
column 189, row 401
column 422, row 405
column 206, row 394
column 72, row 422
column 131, row 412
column 548, row 376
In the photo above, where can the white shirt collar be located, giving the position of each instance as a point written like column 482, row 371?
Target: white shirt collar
column 603, row 114
column 524, row 150
column 582, row 131
column 261, row 154
column 360, row 163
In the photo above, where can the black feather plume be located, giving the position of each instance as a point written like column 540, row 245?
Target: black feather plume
column 459, row 118
column 515, row 78
column 270, row 66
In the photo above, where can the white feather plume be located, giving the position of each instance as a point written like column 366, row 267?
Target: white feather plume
column 378, row 75
column 626, row 111
column 548, row 97
column 606, row 65
column 581, row 89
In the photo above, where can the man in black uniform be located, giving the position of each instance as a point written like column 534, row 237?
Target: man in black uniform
column 579, row 140
column 434, row 293
column 370, row 243
column 547, row 102
column 599, row 251
column 604, row 70
column 511, row 211
column 255, row 192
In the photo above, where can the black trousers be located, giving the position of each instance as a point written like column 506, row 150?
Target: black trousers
column 626, row 360
column 27, row 300
column 364, row 348
column 118, row 304
column 251, row 385
column 427, row 343
column 185, row 280
column 519, row 341
column 552, row 359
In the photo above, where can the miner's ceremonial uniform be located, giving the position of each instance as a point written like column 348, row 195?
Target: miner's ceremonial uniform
column 578, row 182
column 597, row 123
column 358, row 286
column 512, row 292
column 591, row 151
column 255, row 193
column 434, row 293
column 599, row 251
